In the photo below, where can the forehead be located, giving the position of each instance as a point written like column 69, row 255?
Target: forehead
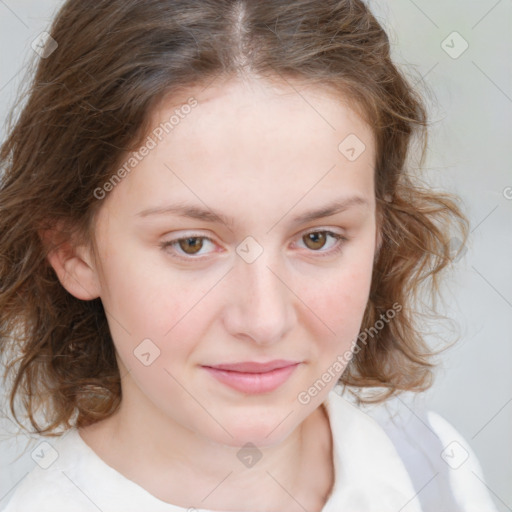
column 274, row 144
column 261, row 110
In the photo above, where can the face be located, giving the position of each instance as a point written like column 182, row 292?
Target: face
column 256, row 277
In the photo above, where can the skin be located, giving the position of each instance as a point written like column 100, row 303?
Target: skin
column 261, row 154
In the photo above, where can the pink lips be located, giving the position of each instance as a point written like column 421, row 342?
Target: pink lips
column 253, row 378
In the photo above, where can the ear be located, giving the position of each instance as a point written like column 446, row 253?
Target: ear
column 73, row 265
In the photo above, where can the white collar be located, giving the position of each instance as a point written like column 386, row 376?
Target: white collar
column 369, row 474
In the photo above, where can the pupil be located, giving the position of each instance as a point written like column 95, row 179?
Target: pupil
column 318, row 240
column 193, row 243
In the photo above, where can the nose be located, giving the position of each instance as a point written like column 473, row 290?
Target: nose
column 261, row 304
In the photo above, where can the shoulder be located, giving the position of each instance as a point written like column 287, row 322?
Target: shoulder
column 365, row 458
column 70, row 476
column 50, row 486
column 443, row 468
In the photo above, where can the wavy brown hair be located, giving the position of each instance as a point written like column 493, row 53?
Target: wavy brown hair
column 90, row 102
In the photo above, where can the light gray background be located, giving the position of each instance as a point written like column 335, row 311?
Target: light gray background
column 469, row 155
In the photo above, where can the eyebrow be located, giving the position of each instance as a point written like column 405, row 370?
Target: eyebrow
column 209, row 215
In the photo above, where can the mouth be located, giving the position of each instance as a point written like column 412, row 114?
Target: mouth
column 254, row 367
column 253, row 377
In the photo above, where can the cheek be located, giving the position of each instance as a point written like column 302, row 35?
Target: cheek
column 337, row 306
column 145, row 300
column 341, row 306
column 148, row 299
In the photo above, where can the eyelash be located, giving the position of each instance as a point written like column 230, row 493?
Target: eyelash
column 340, row 243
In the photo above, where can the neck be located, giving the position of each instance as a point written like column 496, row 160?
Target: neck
column 181, row 467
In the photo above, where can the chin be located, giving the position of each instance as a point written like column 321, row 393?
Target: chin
column 257, row 428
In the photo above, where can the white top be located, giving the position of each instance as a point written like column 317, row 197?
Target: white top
column 376, row 469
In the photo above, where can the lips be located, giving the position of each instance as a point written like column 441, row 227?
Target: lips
column 254, row 367
column 252, row 377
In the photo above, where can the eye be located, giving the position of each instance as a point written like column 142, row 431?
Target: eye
column 189, row 246
column 316, row 240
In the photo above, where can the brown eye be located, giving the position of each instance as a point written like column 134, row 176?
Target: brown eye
column 191, row 245
column 315, row 240
column 189, row 248
column 318, row 242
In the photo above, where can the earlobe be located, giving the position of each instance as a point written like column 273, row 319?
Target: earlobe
column 74, row 268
